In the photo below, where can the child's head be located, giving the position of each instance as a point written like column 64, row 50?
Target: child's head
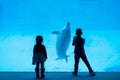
column 39, row 39
column 78, row 31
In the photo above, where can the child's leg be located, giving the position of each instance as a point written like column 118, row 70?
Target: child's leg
column 84, row 58
column 42, row 70
column 37, row 70
column 76, row 64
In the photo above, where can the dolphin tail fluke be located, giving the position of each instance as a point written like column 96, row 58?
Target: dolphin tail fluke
column 57, row 58
column 55, row 32
column 66, row 59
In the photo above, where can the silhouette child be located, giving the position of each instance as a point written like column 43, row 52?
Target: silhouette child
column 39, row 56
column 79, row 52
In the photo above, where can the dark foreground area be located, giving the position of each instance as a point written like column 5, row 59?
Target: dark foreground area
column 60, row 76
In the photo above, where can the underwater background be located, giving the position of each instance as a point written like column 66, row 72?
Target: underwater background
column 22, row 20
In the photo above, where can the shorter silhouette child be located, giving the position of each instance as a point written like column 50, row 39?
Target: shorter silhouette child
column 39, row 56
column 79, row 52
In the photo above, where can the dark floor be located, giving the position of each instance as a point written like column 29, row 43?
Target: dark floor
column 60, row 76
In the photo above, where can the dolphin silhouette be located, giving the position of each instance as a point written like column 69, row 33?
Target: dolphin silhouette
column 63, row 41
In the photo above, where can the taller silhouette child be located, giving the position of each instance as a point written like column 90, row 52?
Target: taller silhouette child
column 79, row 52
column 39, row 56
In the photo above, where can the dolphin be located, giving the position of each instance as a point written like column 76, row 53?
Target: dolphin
column 63, row 41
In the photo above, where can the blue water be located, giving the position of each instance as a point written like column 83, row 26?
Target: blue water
column 22, row 20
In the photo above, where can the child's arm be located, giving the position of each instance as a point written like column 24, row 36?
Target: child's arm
column 45, row 52
column 74, row 41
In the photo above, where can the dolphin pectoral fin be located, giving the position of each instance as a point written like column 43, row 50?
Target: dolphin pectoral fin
column 55, row 32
